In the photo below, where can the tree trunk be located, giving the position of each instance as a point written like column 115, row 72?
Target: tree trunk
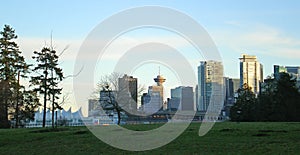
column 119, row 116
column 17, row 102
column 53, row 110
column 53, row 99
column 4, row 123
column 44, row 110
column 45, row 98
column 3, row 118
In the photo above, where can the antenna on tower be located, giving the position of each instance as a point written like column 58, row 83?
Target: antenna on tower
column 51, row 46
column 158, row 70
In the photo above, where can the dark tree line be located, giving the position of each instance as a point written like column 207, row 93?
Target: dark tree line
column 17, row 102
column 279, row 100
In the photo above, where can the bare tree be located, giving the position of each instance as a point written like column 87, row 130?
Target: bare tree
column 117, row 95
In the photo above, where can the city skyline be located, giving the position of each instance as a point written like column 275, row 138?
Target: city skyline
column 266, row 29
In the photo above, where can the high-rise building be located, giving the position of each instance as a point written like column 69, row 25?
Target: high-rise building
column 294, row 71
column 185, row 96
column 251, row 72
column 236, row 85
column 229, row 93
column 154, row 99
column 210, row 82
column 228, row 96
column 196, row 98
column 128, row 91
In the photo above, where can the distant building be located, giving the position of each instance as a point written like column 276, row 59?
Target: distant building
column 236, row 85
column 154, row 100
column 196, row 98
column 228, row 85
column 185, row 96
column 229, row 90
column 210, row 80
column 69, row 118
column 294, row 72
column 251, row 72
column 229, row 95
column 107, row 99
column 128, row 91
column 279, row 69
column 93, row 106
column 173, row 104
column 61, row 117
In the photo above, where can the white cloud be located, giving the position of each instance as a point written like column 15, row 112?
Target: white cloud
column 29, row 45
column 259, row 38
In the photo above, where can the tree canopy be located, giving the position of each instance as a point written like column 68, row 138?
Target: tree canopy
column 279, row 100
column 14, row 103
column 48, row 75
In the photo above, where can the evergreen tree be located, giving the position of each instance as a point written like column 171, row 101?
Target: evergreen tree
column 49, row 75
column 12, row 66
column 54, row 90
column 267, row 108
column 245, row 106
column 287, row 98
column 278, row 101
column 29, row 103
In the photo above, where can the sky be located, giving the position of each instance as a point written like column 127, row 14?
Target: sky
column 268, row 29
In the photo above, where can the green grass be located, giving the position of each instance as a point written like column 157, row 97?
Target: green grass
column 224, row 138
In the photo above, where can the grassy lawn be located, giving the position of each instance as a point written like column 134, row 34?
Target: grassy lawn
column 224, row 138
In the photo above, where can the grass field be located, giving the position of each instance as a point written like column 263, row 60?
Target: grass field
column 224, row 138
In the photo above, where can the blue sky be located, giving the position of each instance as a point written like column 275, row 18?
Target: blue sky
column 268, row 29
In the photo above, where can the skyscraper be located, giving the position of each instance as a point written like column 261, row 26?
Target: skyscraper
column 154, row 99
column 293, row 71
column 196, row 97
column 251, row 72
column 210, row 82
column 228, row 95
column 128, row 88
column 236, row 85
column 185, row 96
column 228, row 85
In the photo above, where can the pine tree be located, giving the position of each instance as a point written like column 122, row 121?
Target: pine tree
column 49, row 75
column 12, row 66
column 54, row 90
column 244, row 108
column 29, row 103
